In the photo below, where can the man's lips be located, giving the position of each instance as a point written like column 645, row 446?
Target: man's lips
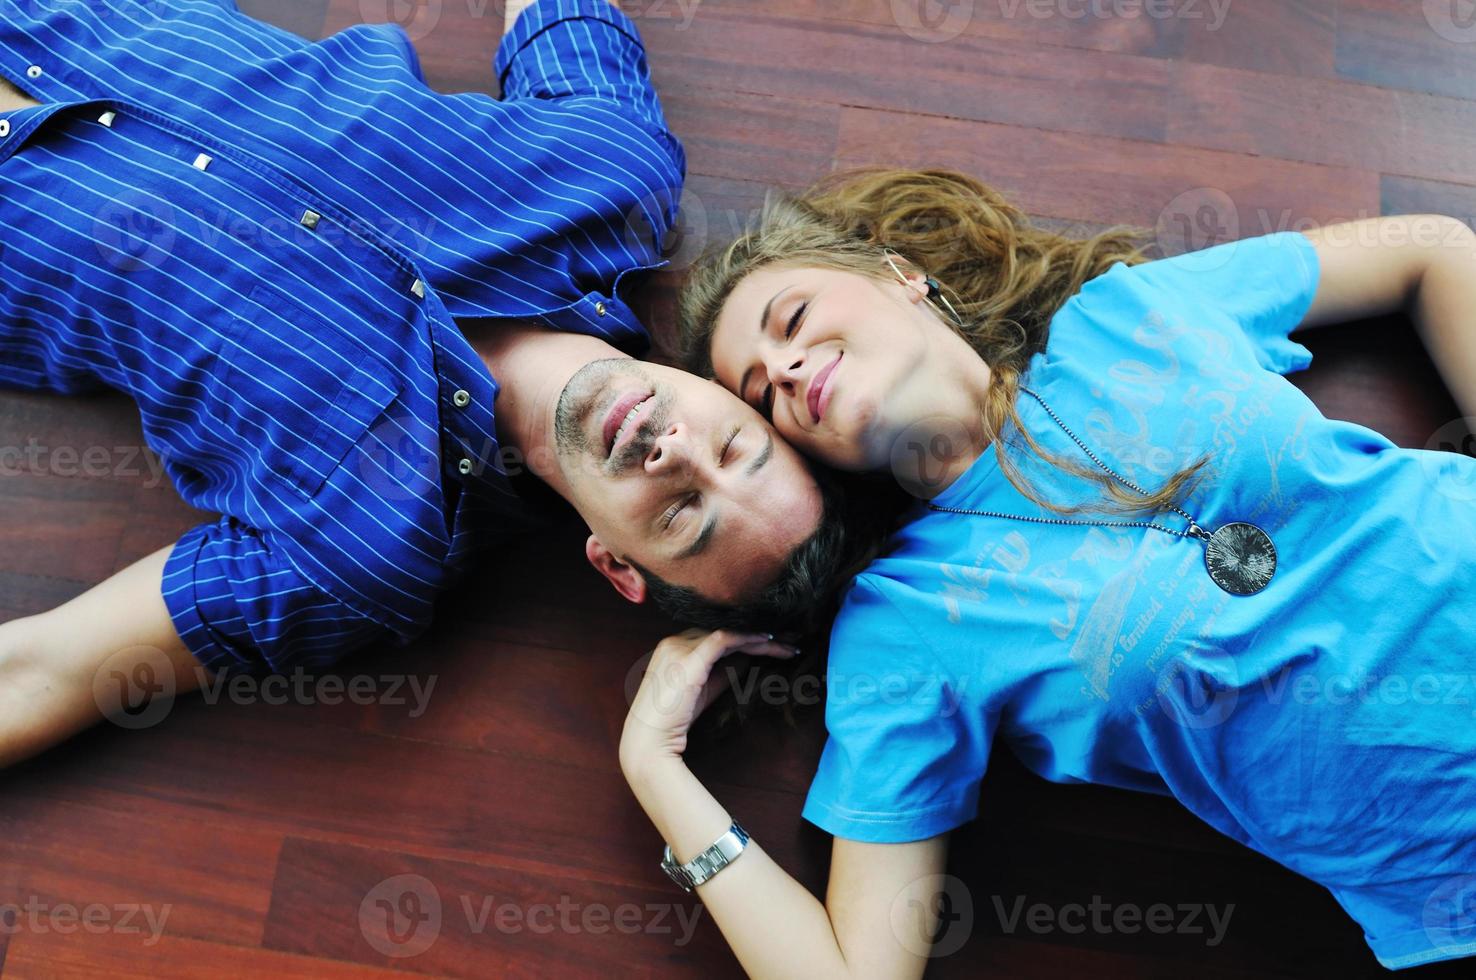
column 617, row 414
column 816, row 396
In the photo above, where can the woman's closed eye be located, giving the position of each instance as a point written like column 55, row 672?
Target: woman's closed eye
column 766, row 397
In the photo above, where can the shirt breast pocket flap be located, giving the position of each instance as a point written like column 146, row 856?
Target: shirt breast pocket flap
column 299, row 390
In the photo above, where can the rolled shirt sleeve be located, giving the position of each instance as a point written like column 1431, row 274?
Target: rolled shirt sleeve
column 240, row 607
column 580, row 49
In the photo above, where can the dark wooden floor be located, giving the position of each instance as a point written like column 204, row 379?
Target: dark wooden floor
column 264, row 830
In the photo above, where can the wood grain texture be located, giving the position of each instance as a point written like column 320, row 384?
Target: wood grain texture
column 267, row 829
column 1423, row 47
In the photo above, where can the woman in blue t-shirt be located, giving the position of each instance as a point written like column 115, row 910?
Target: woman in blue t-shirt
column 1137, row 553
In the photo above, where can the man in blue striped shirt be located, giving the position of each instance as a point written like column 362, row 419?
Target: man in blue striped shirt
column 316, row 276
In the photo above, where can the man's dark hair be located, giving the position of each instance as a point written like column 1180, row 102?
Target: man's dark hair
column 858, row 516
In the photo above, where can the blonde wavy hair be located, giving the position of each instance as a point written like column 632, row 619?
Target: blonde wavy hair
column 1004, row 277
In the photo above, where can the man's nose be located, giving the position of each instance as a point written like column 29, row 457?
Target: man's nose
column 671, row 450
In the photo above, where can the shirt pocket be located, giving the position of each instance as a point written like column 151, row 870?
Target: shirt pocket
column 296, row 391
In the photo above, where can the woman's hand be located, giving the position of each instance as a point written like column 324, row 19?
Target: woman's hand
column 777, row 928
column 677, row 686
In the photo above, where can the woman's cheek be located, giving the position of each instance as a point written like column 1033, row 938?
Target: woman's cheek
column 793, row 434
column 843, row 449
column 874, row 436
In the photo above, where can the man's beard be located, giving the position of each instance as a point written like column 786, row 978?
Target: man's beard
column 587, row 392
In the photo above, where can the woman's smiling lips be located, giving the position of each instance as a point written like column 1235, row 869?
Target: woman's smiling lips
column 818, row 395
column 617, row 415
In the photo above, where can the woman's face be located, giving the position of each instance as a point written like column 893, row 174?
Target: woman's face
column 840, row 362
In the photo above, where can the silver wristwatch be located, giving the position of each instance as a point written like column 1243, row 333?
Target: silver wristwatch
column 709, row 862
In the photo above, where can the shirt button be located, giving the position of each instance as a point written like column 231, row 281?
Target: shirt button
column 461, row 398
column 465, row 466
column 418, row 288
column 4, row 128
column 599, row 309
column 33, row 72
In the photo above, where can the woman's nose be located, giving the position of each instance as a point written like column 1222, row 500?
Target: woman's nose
column 784, row 369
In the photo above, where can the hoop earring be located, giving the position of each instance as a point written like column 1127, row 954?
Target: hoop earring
column 935, row 291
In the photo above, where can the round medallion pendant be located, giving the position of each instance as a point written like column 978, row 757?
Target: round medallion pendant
column 1240, row 558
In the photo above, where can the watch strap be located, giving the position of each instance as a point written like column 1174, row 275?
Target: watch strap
column 714, row 859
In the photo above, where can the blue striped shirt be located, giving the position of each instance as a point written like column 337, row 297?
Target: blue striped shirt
column 266, row 242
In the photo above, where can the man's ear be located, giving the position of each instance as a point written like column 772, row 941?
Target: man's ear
column 627, row 581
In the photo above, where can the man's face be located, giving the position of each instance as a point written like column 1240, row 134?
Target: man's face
column 675, row 474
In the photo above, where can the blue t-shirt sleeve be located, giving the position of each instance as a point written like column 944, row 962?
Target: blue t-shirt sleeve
column 907, row 745
column 1265, row 284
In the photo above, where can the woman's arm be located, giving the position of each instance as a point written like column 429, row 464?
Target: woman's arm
column 1420, row 264
column 881, row 907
